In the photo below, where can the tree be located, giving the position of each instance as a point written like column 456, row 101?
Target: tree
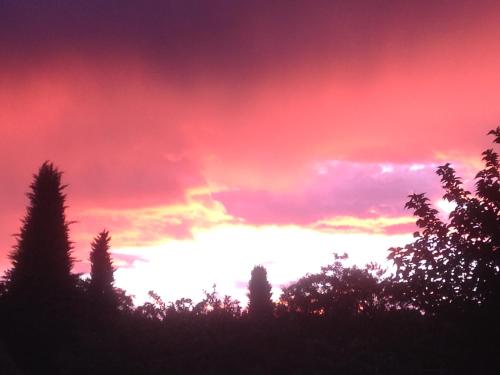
column 335, row 291
column 455, row 262
column 260, row 304
column 42, row 261
column 213, row 306
column 101, row 288
column 41, row 290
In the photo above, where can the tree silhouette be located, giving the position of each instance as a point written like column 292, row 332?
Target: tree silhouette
column 335, row 291
column 213, row 305
column 101, row 288
column 42, row 258
column 260, row 304
column 454, row 262
column 41, row 290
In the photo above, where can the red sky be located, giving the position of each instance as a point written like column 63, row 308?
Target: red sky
column 187, row 128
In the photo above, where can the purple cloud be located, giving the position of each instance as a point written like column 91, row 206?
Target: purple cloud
column 337, row 189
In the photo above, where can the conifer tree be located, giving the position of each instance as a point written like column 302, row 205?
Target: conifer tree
column 41, row 290
column 260, row 304
column 101, row 273
column 41, row 259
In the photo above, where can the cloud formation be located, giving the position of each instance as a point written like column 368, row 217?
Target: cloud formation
column 231, row 37
column 337, row 189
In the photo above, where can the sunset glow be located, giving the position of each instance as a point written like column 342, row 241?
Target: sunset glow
column 221, row 137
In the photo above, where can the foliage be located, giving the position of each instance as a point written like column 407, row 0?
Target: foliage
column 41, row 294
column 155, row 310
column 210, row 305
column 454, row 263
column 42, row 259
column 335, row 291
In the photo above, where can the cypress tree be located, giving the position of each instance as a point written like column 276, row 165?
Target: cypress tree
column 42, row 261
column 41, row 289
column 260, row 304
column 101, row 287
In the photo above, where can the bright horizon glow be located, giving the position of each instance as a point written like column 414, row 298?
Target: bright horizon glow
column 225, row 255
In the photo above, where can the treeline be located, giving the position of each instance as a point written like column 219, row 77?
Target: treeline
column 437, row 313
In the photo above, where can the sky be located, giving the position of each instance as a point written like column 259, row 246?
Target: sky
column 212, row 136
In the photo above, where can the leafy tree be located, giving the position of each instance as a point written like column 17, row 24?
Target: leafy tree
column 335, row 291
column 101, row 287
column 155, row 310
column 182, row 306
column 213, row 305
column 125, row 302
column 260, row 304
column 454, row 262
column 42, row 261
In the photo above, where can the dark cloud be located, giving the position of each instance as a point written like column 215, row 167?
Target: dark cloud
column 228, row 36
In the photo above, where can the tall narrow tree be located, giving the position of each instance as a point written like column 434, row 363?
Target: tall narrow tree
column 260, row 304
column 42, row 260
column 101, row 287
column 41, row 289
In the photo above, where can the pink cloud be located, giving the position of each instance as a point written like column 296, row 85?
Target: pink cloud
column 400, row 228
column 126, row 260
column 339, row 189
